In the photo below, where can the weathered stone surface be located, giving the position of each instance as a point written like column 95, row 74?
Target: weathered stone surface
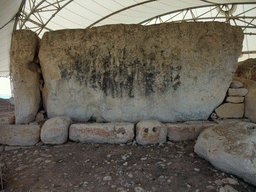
column 55, row 130
column 237, row 92
column 150, row 132
column 188, row 130
column 102, row 132
column 230, row 110
column 7, row 118
column 236, row 84
column 235, row 99
column 167, row 72
column 230, row 147
column 246, row 73
column 19, row 134
column 24, row 75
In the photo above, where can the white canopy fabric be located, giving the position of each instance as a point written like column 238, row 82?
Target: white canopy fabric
column 44, row 15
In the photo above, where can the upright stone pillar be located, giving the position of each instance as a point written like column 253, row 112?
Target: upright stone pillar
column 24, row 75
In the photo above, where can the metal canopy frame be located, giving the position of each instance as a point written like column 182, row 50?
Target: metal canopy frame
column 32, row 10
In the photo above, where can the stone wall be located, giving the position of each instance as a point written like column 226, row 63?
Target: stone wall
column 167, row 72
column 24, row 74
column 246, row 73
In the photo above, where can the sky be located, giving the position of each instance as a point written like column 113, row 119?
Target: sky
column 5, row 87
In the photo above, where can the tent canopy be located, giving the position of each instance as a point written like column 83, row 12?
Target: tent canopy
column 45, row 15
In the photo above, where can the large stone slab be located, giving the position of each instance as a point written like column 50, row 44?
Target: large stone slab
column 55, row 130
column 187, row 130
column 19, row 134
column 102, row 132
column 230, row 147
column 230, row 110
column 246, row 73
column 167, row 72
column 24, row 75
column 151, row 132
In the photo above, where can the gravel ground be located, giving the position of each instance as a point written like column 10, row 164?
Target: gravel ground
column 172, row 166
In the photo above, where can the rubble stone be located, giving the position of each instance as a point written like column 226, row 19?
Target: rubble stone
column 235, row 99
column 230, row 110
column 237, row 92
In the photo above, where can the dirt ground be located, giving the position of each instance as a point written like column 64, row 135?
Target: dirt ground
column 172, row 166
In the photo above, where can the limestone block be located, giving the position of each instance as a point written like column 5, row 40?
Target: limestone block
column 237, row 92
column 235, row 99
column 236, row 84
column 230, row 147
column 168, row 72
column 102, row 132
column 230, row 110
column 188, row 130
column 25, row 78
column 19, row 134
column 7, row 118
column 55, row 130
column 150, row 132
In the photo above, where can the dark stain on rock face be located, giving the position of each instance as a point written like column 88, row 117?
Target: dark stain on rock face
column 120, row 76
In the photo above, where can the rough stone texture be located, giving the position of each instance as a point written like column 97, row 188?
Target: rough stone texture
column 230, row 110
column 235, row 99
column 150, row 132
column 102, row 132
column 24, row 75
column 55, row 130
column 19, row 134
column 236, row 84
column 167, row 72
column 188, row 130
column 7, row 118
column 237, row 92
column 246, row 73
column 230, row 147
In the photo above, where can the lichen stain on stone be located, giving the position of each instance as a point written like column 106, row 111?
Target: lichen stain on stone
column 118, row 77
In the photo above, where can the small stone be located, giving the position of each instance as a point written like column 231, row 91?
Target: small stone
column 39, row 117
column 236, row 84
column 143, row 158
column 107, row 178
column 130, row 175
column 235, row 99
column 196, row 169
column 124, row 157
column 39, row 144
column 125, row 164
column 227, row 188
column 21, row 167
column 237, row 92
column 214, row 116
column 139, row 189
column 189, row 186
column 9, row 148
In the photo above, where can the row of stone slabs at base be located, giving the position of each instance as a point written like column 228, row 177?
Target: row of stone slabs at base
column 58, row 130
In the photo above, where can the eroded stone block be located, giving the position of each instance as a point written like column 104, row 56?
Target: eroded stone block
column 102, row 132
column 188, row 130
column 55, row 130
column 150, row 132
column 19, row 134
column 230, row 147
